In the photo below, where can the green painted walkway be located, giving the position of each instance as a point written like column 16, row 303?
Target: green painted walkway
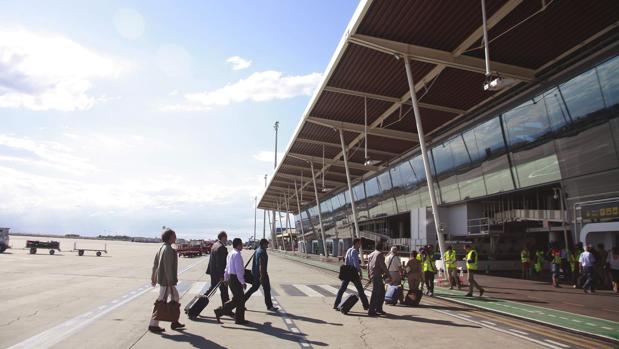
column 558, row 318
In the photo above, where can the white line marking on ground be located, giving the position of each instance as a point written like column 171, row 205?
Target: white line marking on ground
column 518, row 331
column 488, row 323
column 115, row 301
column 125, row 296
column 307, row 290
column 576, row 320
column 563, row 318
column 606, row 328
column 590, row 324
column 329, row 288
column 295, row 330
column 305, row 344
column 556, row 343
column 56, row 334
column 552, row 315
column 288, row 321
column 196, row 287
column 466, row 316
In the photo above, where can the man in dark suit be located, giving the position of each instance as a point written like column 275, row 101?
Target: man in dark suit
column 217, row 266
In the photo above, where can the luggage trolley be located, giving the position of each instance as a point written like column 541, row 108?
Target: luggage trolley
column 33, row 245
column 80, row 251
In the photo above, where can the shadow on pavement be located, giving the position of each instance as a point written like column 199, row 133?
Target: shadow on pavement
column 307, row 319
column 190, row 338
column 415, row 319
column 441, row 307
column 268, row 329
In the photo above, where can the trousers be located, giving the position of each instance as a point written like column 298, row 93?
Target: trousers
column 357, row 282
column 266, row 289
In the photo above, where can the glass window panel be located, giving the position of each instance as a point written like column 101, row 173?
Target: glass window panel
column 418, row 170
column 497, row 175
column 459, row 152
column 557, row 110
column 470, row 140
column 526, row 123
column 582, row 95
column 536, row 166
column 449, row 189
column 472, row 184
column 489, row 138
column 586, row 152
column 443, row 160
column 609, row 79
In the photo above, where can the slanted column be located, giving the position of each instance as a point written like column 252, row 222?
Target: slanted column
column 426, row 162
column 296, row 195
column 322, row 230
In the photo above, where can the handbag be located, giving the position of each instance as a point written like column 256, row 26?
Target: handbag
column 347, row 272
column 166, row 311
column 249, row 275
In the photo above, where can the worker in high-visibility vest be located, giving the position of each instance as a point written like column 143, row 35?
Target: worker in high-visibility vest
column 472, row 265
column 539, row 261
column 452, row 268
column 572, row 260
column 525, row 262
column 428, row 267
column 555, row 265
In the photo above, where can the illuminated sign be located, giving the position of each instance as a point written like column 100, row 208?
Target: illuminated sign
column 600, row 212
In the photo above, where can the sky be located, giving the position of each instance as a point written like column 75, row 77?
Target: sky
column 120, row 117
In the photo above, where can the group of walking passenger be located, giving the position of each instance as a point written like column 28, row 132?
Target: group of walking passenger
column 226, row 270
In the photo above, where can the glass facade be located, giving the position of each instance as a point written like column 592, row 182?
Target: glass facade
column 568, row 132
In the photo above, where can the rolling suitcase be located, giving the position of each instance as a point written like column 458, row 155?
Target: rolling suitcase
column 413, row 297
column 393, row 294
column 348, row 303
column 198, row 303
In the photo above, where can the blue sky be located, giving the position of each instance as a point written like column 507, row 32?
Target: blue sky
column 121, row 117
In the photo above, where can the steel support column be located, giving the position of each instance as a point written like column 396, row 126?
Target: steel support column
column 296, row 195
column 281, row 227
column 352, row 198
column 322, row 230
column 426, row 163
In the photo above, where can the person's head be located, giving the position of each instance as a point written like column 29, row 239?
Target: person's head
column 413, row 254
column 237, row 243
column 356, row 243
column 223, row 237
column 264, row 243
column 467, row 247
column 393, row 250
column 429, row 248
column 589, row 248
column 449, row 248
column 168, row 236
column 378, row 246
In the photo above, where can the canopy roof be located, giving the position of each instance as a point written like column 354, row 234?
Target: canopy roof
column 443, row 39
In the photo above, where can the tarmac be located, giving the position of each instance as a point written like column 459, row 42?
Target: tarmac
column 68, row 301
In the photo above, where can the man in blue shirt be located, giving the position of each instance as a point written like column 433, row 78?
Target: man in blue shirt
column 259, row 270
column 352, row 259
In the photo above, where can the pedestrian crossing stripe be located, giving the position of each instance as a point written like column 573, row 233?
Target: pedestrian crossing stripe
column 307, row 290
column 289, row 290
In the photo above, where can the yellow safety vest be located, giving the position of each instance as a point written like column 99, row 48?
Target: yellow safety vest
column 428, row 263
column 450, row 259
column 471, row 256
column 524, row 256
column 571, row 258
column 539, row 257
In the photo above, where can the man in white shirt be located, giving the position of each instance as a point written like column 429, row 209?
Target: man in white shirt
column 587, row 261
column 234, row 275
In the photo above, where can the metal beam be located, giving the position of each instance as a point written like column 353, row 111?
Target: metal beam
column 392, row 100
column 353, row 165
column 434, row 56
column 379, row 132
column 295, row 177
column 336, row 145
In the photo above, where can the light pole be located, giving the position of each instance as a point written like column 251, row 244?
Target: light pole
column 274, row 232
column 264, row 213
column 255, row 214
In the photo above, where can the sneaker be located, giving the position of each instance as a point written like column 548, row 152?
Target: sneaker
column 372, row 314
column 156, row 329
column 275, row 309
column 241, row 322
column 481, row 292
column 177, row 325
column 366, row 307
column 468, row 295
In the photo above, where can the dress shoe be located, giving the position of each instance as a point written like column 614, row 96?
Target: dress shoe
column 481, row 293
column 276, row 309
column 468, row 295
column 177, row 325
column 156, row 329
column 218, row 314
column 241, row 322
column 372, row 314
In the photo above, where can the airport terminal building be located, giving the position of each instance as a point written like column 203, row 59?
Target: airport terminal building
column 531, row 161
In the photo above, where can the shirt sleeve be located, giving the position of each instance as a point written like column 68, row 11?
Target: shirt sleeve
column 240, row 269
column 227, row 269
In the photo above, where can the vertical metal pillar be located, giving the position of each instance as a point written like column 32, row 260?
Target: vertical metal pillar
column 296, row 194
column 352, row 198
column 426, row 163
column 322, row 230
column 255, row 217
column 288, row 224
column 274, row 231
column 264, row 213
column 281, row 227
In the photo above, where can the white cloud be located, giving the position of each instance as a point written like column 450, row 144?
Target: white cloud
column 268, row 156
column 238, row 63
column 129, row 23
column 258, row 87
column 50, row 72
column 43, row 154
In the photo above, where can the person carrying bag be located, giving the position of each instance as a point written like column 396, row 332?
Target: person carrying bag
column 165, row 273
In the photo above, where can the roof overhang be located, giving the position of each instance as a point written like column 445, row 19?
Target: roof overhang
column 443, row 42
